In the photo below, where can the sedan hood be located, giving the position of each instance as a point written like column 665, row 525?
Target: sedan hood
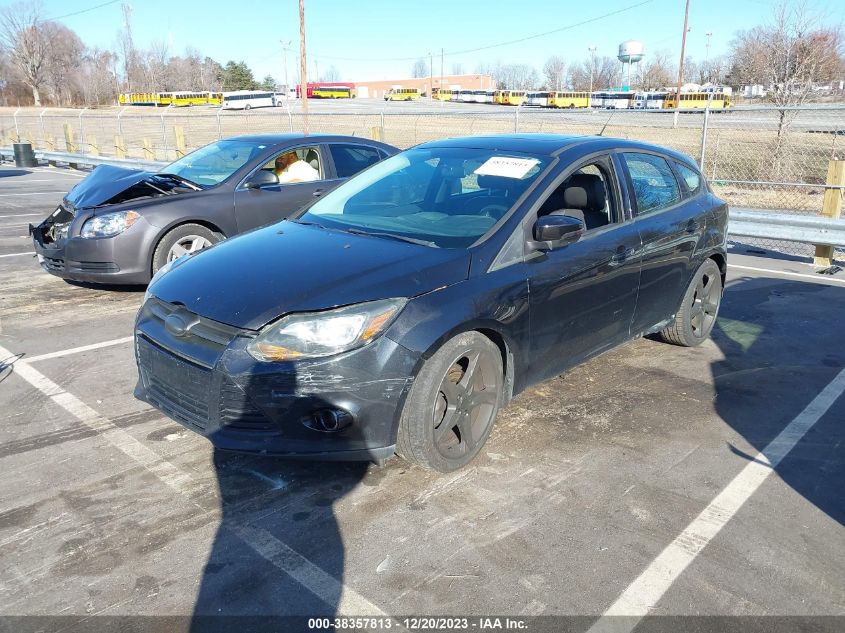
column 252, row 279
column 103, row 184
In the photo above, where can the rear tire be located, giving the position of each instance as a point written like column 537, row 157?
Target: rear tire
column 453, row 403
column 699, row 308
column 188, row 237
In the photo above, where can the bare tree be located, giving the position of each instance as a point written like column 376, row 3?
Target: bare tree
column 555, row 72
column 331, row 75
column 659, row 72
column 789, row 55
column 23, row 39
column 458, row 68
column 605, row 72
column 515, row 76
column 419, row 69
column 63, row 60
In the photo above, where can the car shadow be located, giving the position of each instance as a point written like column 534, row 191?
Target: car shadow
column 783, row 342
column 278, row 556
column 6, row 173
column 125, row 288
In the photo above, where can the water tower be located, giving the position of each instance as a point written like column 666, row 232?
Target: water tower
column 630, row 52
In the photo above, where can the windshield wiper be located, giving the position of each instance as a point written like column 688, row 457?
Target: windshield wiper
column 394, row 236
column 305, row 222
column 184, row 181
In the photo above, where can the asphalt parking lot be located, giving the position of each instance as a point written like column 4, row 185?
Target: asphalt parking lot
column 653, row 480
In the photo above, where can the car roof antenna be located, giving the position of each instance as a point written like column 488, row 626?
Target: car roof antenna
column 604, row 127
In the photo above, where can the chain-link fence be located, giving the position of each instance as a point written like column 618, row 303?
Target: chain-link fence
column 756, row 158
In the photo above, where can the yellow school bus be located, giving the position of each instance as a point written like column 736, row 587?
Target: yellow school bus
column 569, row 100
column 443, row 95
column 402, row 94
column 332, row 92
column 698, row 101
column 177, row 99
column 511, row 97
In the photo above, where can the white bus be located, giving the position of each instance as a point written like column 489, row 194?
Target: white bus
column 482, row 96
column 247, row 99
column 537, row 99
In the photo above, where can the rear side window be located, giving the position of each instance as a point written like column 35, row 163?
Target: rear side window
column 350, row 159
column 655, row 187
column 691, row 177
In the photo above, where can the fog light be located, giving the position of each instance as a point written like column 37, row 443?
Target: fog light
column 328, row 420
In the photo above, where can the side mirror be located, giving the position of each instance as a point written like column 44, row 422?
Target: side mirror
column 553, row 231
column 261, row 178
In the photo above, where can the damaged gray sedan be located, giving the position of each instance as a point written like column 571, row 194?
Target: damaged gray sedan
column 121, row 225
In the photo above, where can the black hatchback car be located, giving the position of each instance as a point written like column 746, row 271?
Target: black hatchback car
column 119, row 226
column 403, row 310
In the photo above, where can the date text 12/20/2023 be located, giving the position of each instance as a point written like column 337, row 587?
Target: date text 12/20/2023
column 420, row 623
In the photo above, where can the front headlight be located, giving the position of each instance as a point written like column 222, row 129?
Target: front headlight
column 109, row 224
column 316, row 334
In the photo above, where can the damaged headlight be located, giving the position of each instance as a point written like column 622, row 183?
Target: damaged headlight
column 109, row 224
column 316, row 334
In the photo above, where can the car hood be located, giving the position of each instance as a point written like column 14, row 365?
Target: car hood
column 254, row 278
column 103, row 184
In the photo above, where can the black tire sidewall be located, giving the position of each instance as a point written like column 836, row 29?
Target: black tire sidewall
column 416, row 419
column 711, row 268
column 167, row 241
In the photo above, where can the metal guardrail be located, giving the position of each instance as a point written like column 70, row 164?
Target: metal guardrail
column 88, row 159
column 786, row 226
column 742, row 222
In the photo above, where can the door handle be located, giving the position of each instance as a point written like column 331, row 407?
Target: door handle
column 621, row 255
column 317, row 193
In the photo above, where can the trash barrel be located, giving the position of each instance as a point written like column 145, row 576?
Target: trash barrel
column 24, row 156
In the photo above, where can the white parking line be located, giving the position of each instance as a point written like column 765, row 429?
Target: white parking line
column 643, row 594
column 77, row 350
column 323, row 585
column 19, row 215
column 787, row 273
column 18, row 254
column 31, row 193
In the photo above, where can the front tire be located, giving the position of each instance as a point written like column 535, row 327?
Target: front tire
column 700, row 306
column 453, row 404
column 180, row 240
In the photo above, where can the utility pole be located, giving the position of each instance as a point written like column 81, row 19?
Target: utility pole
column 681, row 64
column 430, row 78
column 441, row 71
column 708, row 35
column 316, row 69
column 285, row 54
column 592, row 50
column 303, row 67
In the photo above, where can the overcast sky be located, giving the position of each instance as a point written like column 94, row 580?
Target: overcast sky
column 379, row 39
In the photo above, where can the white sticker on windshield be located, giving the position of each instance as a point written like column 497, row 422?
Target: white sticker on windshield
column 507, row 167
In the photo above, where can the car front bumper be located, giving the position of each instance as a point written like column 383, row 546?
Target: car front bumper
column 121, row 259
column 215, row 388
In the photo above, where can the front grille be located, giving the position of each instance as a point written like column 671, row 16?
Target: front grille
column 53, row 263
column 106, row 267
column 212, row 332
column 238, row 412
column 178, row 387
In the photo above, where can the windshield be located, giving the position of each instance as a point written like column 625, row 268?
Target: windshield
column 448, row 197
column 214, row 163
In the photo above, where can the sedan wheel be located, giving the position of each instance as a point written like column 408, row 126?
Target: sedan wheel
column 181, row 240
column 699, row 308
column 187, row 244
column 452, row 406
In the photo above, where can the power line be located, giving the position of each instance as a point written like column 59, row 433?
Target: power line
column 507, row 43
column 81, row 11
